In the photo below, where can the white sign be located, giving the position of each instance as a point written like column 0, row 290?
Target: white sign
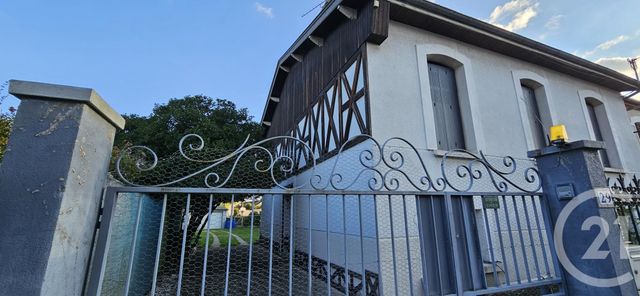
column 604, row 196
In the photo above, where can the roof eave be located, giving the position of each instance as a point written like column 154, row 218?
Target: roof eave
column 288, row 55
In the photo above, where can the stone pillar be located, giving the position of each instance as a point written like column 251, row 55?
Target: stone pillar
column 51, row 181
column 571, row 176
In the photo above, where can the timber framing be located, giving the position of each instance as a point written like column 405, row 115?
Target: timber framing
column 332, row 38
column 368, row 21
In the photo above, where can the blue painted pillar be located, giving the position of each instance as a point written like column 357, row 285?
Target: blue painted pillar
column 51, row 180
column 570, row 174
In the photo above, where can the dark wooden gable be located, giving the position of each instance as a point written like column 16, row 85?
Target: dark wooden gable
column 306, row 80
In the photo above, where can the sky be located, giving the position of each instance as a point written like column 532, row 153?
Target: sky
column 137, row 53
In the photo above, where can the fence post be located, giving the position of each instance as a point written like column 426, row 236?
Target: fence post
column 567, row 172
column 51, row 180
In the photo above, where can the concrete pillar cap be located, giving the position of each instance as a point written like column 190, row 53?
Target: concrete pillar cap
column 45, row 91
column 582, row 144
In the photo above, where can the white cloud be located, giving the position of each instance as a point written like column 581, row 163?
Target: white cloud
column 554, row 22
column 267, row 11
column 514, row 5
column 606, row 45
column 517, row 14
column 613, row 42
column 619, row 64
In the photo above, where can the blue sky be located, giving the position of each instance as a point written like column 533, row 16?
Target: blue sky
column 136, row 53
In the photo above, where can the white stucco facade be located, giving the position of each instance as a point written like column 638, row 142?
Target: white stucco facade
column 495, row 122
column 488, row 87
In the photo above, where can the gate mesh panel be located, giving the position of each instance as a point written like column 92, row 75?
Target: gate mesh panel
column 261, row 241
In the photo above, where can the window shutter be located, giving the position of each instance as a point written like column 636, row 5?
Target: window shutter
column 533, row 113
column 446, row 107
column 597, row 132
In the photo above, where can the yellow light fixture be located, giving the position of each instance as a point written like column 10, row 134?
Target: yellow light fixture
column 558, row 135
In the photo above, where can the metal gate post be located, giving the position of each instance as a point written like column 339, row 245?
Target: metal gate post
column 102, row 245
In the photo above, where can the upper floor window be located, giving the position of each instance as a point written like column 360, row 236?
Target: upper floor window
column 594, row 109
column 535, row 123
column 446, row 107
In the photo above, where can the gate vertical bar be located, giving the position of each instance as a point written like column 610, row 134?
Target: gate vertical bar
column 185, row 226
column 425, row 274
column 344, row 243
column 363, row 280
column 393, row 247
column 249, row 271
column 544, row 205
column 133, row 247
column 491, row 251
column 273, row 207
column 206, row 247
column 513, row 247
column 435, row 235
column 406, row 232
column 533, row 245
column 326, row 208
column 468, row 236
column 504, row 257
column 524, row 252
column 159, row 247
column 226, row 276
column 309, row 279
column 375, row 216
column 454, row 242
column 291, row 252
column 544, row 251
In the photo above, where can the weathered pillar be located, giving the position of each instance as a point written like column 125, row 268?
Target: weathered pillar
column 592, row 264
column 51, row 180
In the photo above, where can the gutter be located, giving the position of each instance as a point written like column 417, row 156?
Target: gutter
column 472, row 24
column 633, row 93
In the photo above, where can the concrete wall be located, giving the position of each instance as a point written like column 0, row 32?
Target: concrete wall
column 489, row 97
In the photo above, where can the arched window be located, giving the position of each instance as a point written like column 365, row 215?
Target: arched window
column 449, row 95
column 446, row 107
column 595, row 109
column 536, row 111
column 535, row 121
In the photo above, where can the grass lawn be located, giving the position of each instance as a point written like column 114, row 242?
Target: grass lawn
column 223, row 235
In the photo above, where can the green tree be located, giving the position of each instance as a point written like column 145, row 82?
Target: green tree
column 220, row 122
column 6, row 121
column 223, row 127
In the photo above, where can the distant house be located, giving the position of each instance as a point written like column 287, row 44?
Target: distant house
column 217, row 217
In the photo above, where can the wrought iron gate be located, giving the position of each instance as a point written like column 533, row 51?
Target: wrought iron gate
column 370, row 220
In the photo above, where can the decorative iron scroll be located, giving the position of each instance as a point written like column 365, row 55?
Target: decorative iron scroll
column 361, row 163
column 618, row 186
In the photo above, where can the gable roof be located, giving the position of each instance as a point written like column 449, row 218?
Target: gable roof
column 441, row 20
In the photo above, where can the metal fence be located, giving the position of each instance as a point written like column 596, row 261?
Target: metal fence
column 628, row 213
column 155, row 241
column 370, row 222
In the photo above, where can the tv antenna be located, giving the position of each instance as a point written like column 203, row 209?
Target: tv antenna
column 314, row 8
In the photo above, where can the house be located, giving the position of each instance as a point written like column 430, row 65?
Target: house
column 217, row 217
column 442, row 81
